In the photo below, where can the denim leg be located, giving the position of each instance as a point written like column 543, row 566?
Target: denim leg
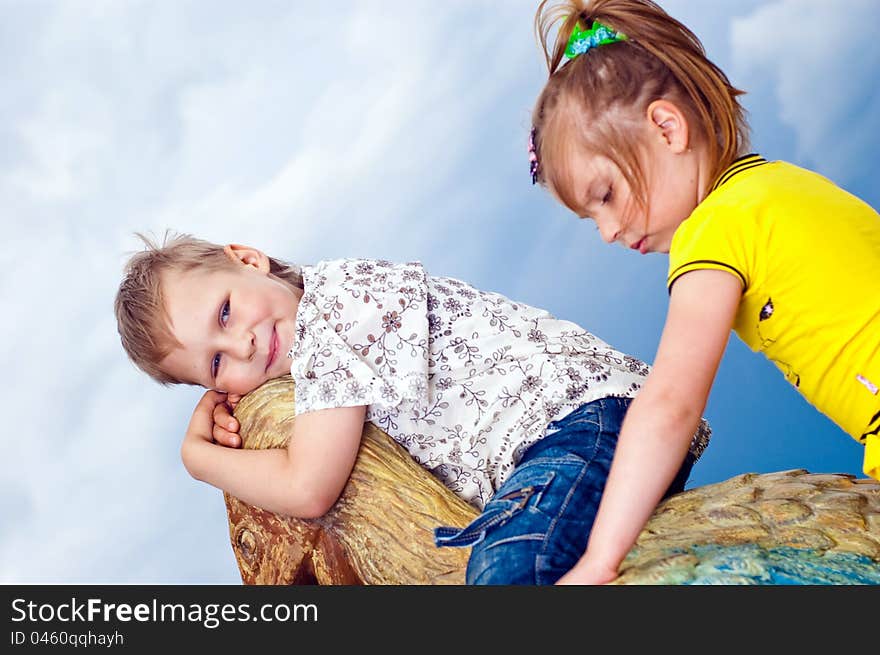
column 536, row 526
column 549, row 502
column 545, row 537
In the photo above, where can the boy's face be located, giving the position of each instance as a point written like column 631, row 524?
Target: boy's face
column 236, row 326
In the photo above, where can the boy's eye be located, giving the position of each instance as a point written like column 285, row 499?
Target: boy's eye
column 224, row 319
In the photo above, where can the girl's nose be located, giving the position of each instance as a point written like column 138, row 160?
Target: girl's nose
column 609, row 233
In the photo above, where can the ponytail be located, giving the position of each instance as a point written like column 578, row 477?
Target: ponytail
column 660, row 58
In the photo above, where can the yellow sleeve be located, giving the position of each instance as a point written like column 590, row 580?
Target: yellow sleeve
column 718, row 238
column 871, row 465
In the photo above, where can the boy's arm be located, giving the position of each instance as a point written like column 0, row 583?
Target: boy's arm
column 303, row 480
column 661, row 420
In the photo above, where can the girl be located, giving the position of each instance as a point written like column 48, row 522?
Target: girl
column 515, row 411
column 639, row 131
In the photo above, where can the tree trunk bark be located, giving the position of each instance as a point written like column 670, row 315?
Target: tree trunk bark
column 773, row 528
column 380, row 531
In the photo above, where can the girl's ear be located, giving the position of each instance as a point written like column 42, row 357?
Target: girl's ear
column 247, row 256
column 668, row 121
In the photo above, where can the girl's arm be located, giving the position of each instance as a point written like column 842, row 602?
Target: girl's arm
column 661, row 420
column 303, row 480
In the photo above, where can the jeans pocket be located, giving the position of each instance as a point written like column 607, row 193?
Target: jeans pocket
column 587, row 414
column 502, row 507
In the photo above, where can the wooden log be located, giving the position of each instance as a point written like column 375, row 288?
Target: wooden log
column 787, row 527
column 380, row 531
column 790, row 526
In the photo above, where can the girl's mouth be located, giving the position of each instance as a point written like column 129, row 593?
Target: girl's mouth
column 641, row 245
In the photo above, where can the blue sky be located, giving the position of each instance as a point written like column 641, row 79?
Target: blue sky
column 397, row 130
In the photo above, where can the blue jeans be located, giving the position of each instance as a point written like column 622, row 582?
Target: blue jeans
column 536, row 526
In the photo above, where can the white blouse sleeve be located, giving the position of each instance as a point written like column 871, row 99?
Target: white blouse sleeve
column 362, row 336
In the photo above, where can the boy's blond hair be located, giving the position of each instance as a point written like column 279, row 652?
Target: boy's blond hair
column 141, row 317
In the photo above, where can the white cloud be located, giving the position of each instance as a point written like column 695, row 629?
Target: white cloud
column 285, row 127
column 823, row 61
column 392, row 129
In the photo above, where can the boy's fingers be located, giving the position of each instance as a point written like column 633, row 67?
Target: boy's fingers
column 203, row 415
column 232, row 399
column 212, row 397
column 224, row 419
column 226, row 438
column 221, row 413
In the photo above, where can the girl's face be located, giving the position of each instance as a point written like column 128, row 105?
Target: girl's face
column 607, row 199
column 674, row 176
column 235, row 325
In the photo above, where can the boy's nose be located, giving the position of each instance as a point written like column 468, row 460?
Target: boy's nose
column 245, row 345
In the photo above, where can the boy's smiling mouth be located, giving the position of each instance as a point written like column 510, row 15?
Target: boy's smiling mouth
column 273, row 349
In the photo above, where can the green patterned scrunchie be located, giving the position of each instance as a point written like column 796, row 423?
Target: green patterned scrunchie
column 581, row 41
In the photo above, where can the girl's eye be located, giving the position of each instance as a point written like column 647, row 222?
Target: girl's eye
column 224, row 313
column 215, row 366
column 607, row 197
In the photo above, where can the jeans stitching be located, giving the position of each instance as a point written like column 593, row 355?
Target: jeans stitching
column 588, row 420
column 479, row 527
column 600, row 436
column 551, row 528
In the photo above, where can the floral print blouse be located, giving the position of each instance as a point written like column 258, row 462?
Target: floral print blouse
column 464, row 379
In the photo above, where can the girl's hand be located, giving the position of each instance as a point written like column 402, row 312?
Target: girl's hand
column 585, row 573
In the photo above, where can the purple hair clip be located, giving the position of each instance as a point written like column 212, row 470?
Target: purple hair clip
column 533, row 157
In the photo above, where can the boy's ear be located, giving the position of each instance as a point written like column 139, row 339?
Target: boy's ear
column 247, row 256
column 669, row 122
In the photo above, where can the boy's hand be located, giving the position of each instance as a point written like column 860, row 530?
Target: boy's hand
column 225, row 430
column 212, row 420
column 199, row 432
column 201, row 424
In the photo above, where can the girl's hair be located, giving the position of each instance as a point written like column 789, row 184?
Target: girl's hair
column 141, row 316
column 593, row 102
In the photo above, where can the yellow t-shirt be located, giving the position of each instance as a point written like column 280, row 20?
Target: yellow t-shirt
column 808, row 255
